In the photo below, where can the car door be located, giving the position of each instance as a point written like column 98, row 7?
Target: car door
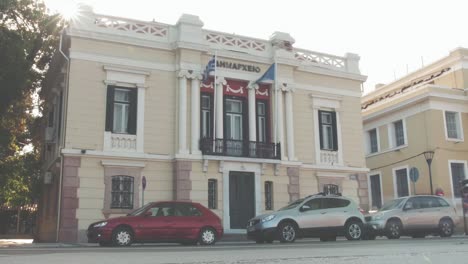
column 311, row 216
column 417, row 213
column 336, row 212
column 188, row 221
column 156, row 222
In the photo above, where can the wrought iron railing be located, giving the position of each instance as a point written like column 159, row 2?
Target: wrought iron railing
column 240, row 148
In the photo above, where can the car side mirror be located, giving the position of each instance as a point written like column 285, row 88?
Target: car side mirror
column 304, row 208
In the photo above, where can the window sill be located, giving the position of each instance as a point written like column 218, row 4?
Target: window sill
column 386, row 151
column 455, row 140
column 116, row 211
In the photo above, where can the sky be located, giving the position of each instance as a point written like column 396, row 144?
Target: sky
column 392, row 37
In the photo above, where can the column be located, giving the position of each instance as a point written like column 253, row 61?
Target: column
column 252, row 114
column 140, row 141
column 195, row 102
column 182, row 112
column 279, row 122
column 220, row 82
column 290, row 123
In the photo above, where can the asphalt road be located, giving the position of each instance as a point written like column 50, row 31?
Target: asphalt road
column 414, row 251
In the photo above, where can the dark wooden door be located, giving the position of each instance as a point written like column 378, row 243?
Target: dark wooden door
column 241, row 198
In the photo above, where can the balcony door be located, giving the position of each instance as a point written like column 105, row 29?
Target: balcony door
column 234, row 127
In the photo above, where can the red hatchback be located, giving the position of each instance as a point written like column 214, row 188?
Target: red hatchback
column 180, row 222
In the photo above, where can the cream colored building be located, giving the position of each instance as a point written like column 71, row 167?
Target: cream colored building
column 424, row 111
column 127, row 100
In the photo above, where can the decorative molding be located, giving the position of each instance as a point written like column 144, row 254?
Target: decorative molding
column 131, row 155
column 205, row 165
column 221, row 166
column 277, row 169
column 209, row 86
column 126, row 70
column 238, row 91
column 113, row 163
column 220, row 80
column 183, row 74
column 262, row 168
column 265, row 93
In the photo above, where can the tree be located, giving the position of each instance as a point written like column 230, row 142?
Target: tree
column 28, row 38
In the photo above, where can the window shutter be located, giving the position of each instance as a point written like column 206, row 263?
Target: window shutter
column 335, row 135
column 132, row 117
column 320, row 128
column 110, row 108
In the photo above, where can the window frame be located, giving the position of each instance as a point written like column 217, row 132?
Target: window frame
column 265, row 116
column 369, row 175
column 130, row 193
column 395, row 187
column 132, row 109
column 369, row 141
column 459, row 126
column 455, row 195
column 213, row 198
column 392, row 137
column 334, row 132
column 211, row 118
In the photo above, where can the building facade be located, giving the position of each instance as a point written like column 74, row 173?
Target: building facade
column 405, row 121
column 130, row 102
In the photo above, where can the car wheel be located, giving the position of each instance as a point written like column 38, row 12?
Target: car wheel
column 207, row 236
column 353, row 230
column 445, row 228
column 122, row 237
column 393, row 229
column 287, row 232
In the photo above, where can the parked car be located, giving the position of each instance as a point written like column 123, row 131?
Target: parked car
column 172, row 221
column 323, row 216
column 415, row 216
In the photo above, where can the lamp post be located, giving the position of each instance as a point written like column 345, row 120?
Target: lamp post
column 429, row 155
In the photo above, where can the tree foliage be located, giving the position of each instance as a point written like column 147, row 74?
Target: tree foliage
column 28, row 38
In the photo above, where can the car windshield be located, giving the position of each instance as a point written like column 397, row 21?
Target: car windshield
column 392, row 204
column 140, row 210
column 292, row 205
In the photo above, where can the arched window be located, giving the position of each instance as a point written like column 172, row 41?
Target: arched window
column 122, row 192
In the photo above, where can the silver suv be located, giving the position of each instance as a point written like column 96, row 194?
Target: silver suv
column 324, row 216
column 416, row 216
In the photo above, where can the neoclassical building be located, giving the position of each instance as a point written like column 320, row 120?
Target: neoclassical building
column 131, row 101
column 420, row 117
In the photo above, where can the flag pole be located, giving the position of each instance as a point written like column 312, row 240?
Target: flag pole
column 276, row 100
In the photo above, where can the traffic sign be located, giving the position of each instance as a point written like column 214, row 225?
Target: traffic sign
column 414, row 174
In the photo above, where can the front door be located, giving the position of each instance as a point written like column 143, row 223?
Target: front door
column 241, row 198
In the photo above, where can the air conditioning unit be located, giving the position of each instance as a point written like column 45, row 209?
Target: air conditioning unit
column 48, row 177
column 50, row 134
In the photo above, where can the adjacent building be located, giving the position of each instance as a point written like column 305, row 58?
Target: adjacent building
column 130, row 104
column 415, row 121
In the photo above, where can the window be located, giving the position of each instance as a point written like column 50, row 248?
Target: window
column 401, row 182
column 457, row 170
column 185, row 209
column 122, row 192
column 398, row 133
column 376, row 191
column 328, row 134
column 373, row 143
column 206, row 115
column 262, row 124
column 121, row 110
column 334, row 203
column 212, row 194
column 268, row 195
column 452, row 125
column 234, row 127
column 313, row 204
column 50, row 119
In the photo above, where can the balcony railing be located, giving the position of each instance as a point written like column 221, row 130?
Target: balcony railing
column 240, row 148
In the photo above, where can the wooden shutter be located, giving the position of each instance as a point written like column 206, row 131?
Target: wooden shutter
column 132, row 116
column 110, row 108
column 320, row 128
column 335, row 135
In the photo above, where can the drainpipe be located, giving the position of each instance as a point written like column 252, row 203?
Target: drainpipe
column 63, row 129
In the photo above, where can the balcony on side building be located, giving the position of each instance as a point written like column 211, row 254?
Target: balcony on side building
column 240, row 148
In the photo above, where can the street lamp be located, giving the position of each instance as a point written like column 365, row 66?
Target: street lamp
column 429, row 155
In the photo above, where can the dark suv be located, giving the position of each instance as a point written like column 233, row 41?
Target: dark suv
column 324, row 216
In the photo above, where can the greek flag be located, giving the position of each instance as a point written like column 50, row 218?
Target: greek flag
column 210, row 67
column 269, row 75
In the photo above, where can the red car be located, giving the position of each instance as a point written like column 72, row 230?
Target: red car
column 181, row 222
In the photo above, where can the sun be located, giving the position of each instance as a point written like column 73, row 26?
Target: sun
column 68, row 9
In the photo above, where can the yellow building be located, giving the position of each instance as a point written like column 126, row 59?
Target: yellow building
column 405, row 121
column 130, row 100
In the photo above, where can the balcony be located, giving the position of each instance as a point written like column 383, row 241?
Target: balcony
column 240, row 148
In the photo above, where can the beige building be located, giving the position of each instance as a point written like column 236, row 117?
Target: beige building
column 425, row 111
column 130, row 101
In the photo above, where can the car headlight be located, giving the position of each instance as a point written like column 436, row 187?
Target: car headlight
column 268, row 218
column 378, row 216
column 101, row 224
